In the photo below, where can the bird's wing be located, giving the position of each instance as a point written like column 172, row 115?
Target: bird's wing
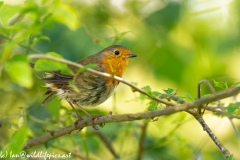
column 56, row 80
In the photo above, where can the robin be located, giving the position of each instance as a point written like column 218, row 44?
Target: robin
column 92, row 89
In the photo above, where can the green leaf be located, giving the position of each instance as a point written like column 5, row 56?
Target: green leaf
column 50, row 65
column 236, row 84
column 142, row 97
column 51, row 106
column 230, row 157
column 21, row 122
column 135, row 83
column 152, row 105
column 54, row 54
column 66, row 15
column 169, row 91
column 206, row 95
column 86, row 67
column 18, row 58
column 8, row 11
column 49, row 144
column 147, row 120
column 39, row 38
column 17, row 141
column 29, row 7
column 120, row 35
column 148, row 90
column 156, row 93
column 19, row 70
column 4, row 31
column 221, row 85
column 1, row 4
column 233, row 107
column 189, row 96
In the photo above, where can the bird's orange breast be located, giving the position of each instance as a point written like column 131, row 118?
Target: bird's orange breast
column 114, row 67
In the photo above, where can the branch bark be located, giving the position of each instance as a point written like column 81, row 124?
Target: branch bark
column 107, row 142
column 141, row 141
column 130, row 117
column 199, row 118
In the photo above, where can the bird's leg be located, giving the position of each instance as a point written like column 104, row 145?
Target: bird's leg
column 79, row 117
column 89, row 115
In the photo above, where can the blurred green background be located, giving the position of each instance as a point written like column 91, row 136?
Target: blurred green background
column 178, row 43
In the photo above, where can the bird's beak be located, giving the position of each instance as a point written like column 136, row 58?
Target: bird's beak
column 131, row 55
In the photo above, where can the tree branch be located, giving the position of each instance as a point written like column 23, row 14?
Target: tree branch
column 199, row 118
column 210, row 86
column 141, row 141
column 130, row 117
column 107, row 143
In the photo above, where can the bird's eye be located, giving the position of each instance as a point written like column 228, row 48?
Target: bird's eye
column 116, row 52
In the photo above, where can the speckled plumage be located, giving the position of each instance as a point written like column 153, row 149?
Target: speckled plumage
column 92, row 89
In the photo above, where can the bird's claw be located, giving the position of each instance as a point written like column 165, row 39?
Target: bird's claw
column 92, row 121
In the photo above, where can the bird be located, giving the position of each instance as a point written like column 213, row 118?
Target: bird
column 88, row 89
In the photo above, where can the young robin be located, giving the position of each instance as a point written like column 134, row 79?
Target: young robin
column 92, row 89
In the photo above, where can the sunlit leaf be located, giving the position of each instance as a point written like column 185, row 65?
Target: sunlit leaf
column 230, row 157
column 236, row 84
column 147, row 120
column 189, row 96
column 39, row 38
column 135, row 83
column 206, row 95
column 152, row 105
column 113, row 27
column 156, row 93
column 29, row 7
column 1, row 4
column 168, row 91
column 147, row 89
column 19, row 70
column 66, row 15
column 4, row 31
column 50, row 65
column 222, row 85
column 142, row 97
column 232, row 107
column 21, row 122
column 8, row 11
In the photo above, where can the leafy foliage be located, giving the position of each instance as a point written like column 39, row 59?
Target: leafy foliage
column 177, row 45
column 49, row 65
column 232, row 107
column 221, row 85
column 18, row 69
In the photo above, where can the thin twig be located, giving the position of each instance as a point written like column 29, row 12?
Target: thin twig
column 22, row 45
column 215, row 110
column 130, row 117
column 141, row 141
column 107, row 143
column 219, row 104
column 199, row 118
